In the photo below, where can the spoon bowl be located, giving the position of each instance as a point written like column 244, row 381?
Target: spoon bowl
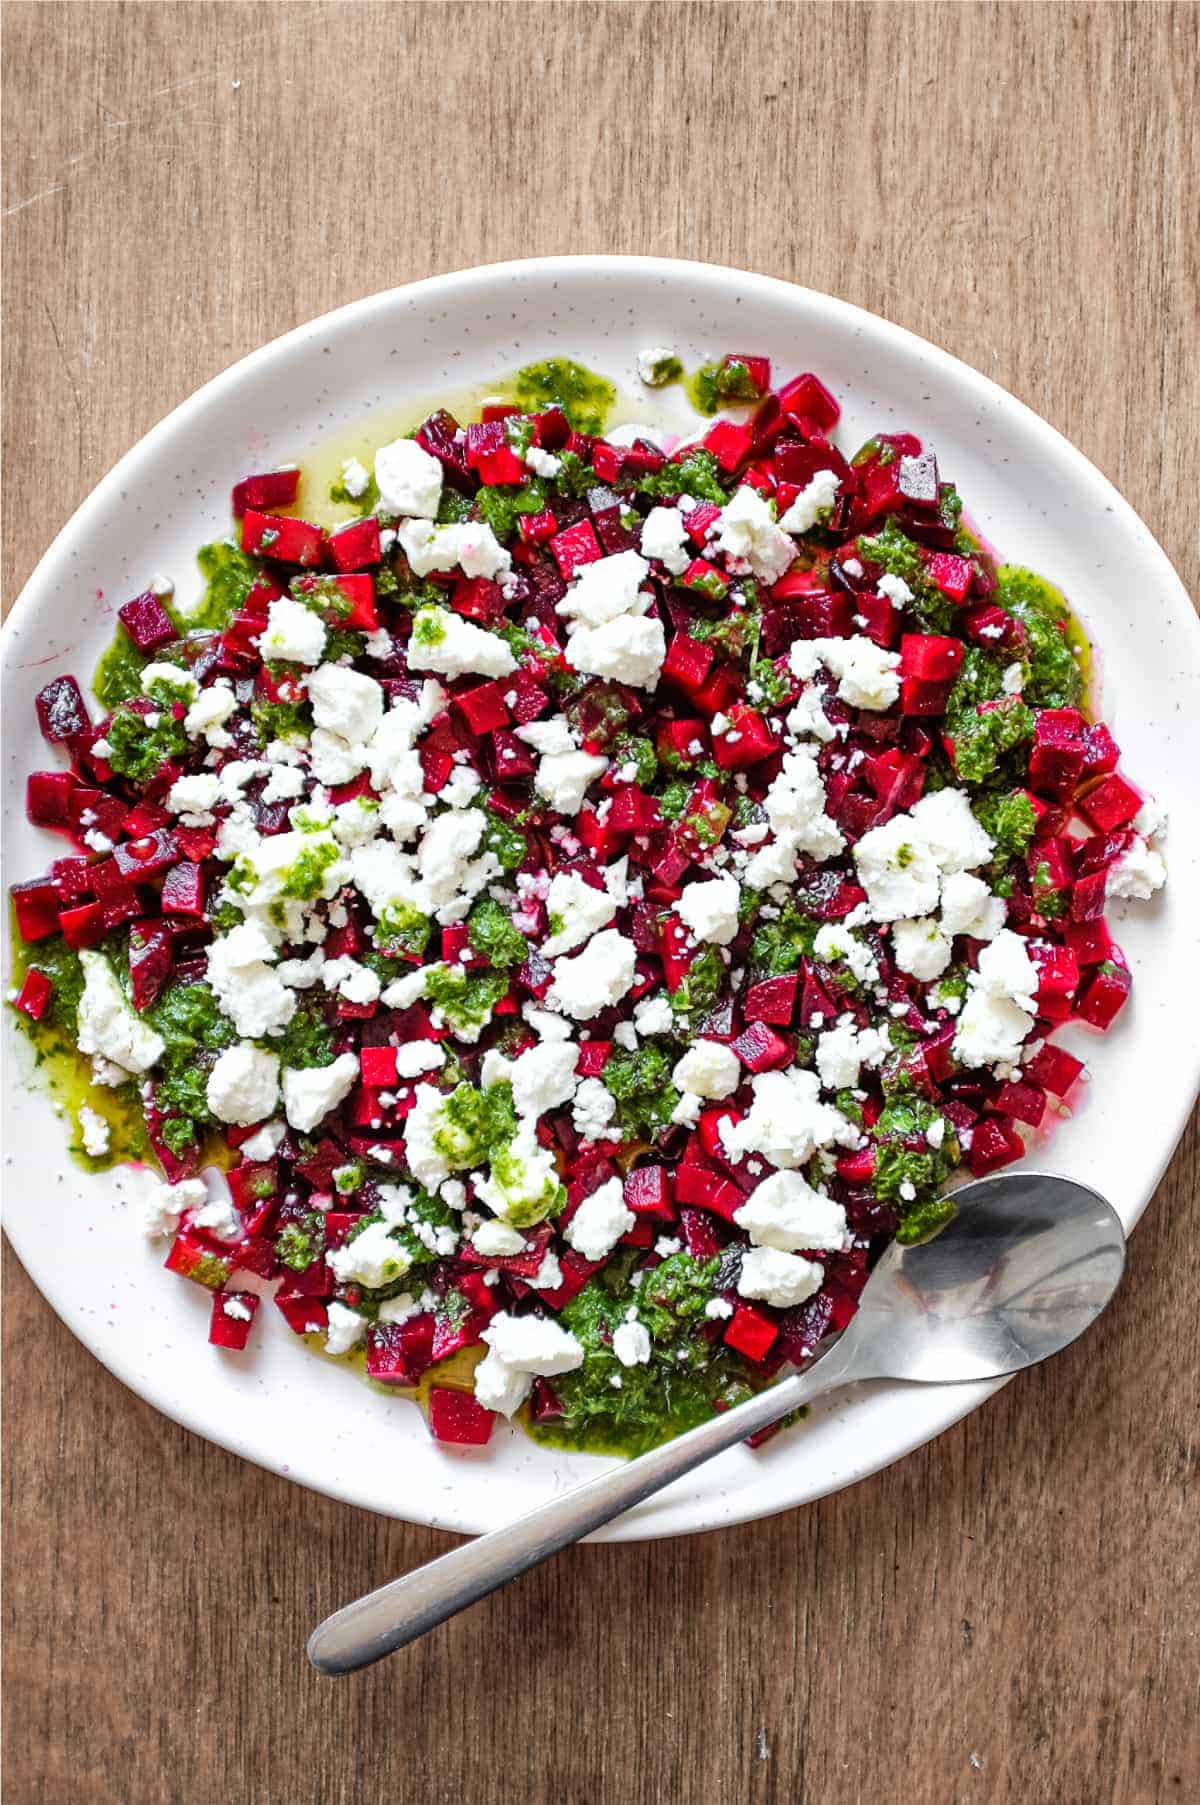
column 1025, row 1267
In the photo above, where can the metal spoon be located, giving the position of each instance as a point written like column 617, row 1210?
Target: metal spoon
column 1027, row 1265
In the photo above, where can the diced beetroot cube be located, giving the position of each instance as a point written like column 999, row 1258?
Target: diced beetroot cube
column 760, row 1049
column 194, row 1257
column 61, row 711
column 594, row 1055
column 1101, row 752
column 150, row 959
column 304, row 1315
column 931, row 657
column 857, row 1168
column 708, row 1189
column 458, row 1418
column 83, row 926
column 154, row 853
column 1090, row 941
column 1105, row 994
column 351, row 547
column 806, row 396
column 377, row 1067
column 484, row 708
column 721, row 689
column 950, row 573
column 233, row 1314
column 746, row 741
column 880, row 620
column 35, row 995
column 705, row 579
column 992, row 627
column 147, row 622
column 1058, row 749
column 271, row 489
column 1057, row 969
column 994, row 1143
column 36, row 906
column 772, row 1000
column 751, row 1332
column 698, row 522
column 48, row 798
column 700, row 1234
column 1111, row 804
column 730, row 443
column 490, row 454
column 648, row 1191
column 537, row 528
column 574, row 546
column 1088, row 894
column 282, row 537
column 1024, row 1101
column 687, row 663
column 1054, row 1069
column 183, row 890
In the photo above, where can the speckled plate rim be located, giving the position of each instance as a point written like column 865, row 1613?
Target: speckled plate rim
column 641, row 300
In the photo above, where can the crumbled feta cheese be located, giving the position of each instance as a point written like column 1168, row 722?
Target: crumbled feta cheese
column 718, row 1309
column 814, row 502
column 898, row 870
column 243, row 1086
column 543, row 1077
column 310, row 1093
column 220, row 1218
column 293, row 634
column 920, row 948
column 239, row 1311
column 781, row 1279
column 654, row 365
column 594, row 979
column 844, row 1050
column 499, row 1387
column 496, row 1240
column 867, row 673
column 445, row 642
column 523, row 1185
column 549, row 1275
column 593, row 1109
column 710, row 909
column 263, row 1144
column 166, row 1204
column 193, row 798
column 631, row 1343
column 707, row 1069
column 1137, row 874
column 606, row 588
column 533, row 1344
column 94, row 1132
column 953, row 835
column 409, row 479
column 787, row 1122
column 600, row 1221
column 997, row 1016
column 372, row 1258
column 968, row 907
column 345, row 702
column 345, row 1328
column 543, row 463
column 419, row 1056
column 629, row 649
column 664, row 537
column 107, row 1025
column 355, row 477
column 785, row 1212
column 795, row 807
column 472, row 546
column 564, row 772
column 654, row 1015
column 748, row 535
column 895, row 589
column 1011, row 680
column 577, row 910
column 248, row 991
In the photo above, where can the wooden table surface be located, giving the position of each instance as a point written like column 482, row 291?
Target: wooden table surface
column 1007, row 1614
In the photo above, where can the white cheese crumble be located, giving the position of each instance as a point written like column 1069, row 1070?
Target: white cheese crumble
column 445, row 642
column 372, row 1258
column 787, row 1122
column 710, row 908
column 564, row 772
column 631, row 1343
column 814, row 502
column 409, row 480
column 707, row 1069
column 781, row 1279
column 94, row 1132
column 594, row 979
column 600, row 1221
column 606, row 588
column 867, row 674
column 293, row 634
column 629, row 649
column 664, row 537
column 107, row 1025
column 576, row 910
column 749, row 537
column 310, row 1093
column 243, row 1086
column 786, row 1213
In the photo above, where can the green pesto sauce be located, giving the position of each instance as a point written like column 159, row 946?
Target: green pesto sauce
column 585, row 398
column 715, row 384
column 667, row 1394
column 1059, row 656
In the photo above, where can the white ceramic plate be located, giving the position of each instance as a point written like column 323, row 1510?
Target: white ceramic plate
column 1035, row 497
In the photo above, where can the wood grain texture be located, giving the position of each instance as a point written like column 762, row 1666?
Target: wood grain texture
column 1009, row 1614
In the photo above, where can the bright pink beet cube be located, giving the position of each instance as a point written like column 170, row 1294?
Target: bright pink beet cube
column 994, row 1143
column 751, row 1332
column 458, row 1418
column 574, row 546
column 270, row 489
column 147, row 622
column 282, row 536
column 1111, row 804
column 35, row 995
column 61, row 711
column 648, row 1192
column 233, row 1314
column 350, row 547
column 1105, row 994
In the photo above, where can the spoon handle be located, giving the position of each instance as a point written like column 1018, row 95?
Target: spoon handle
column 396, row 1614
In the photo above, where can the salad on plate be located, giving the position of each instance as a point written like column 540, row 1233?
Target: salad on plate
column 545, row 934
